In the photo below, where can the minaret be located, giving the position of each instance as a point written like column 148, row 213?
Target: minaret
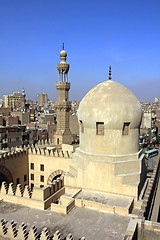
column 23, row 99
column 63, row 105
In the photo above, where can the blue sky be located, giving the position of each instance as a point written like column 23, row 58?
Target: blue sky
column 122, row 33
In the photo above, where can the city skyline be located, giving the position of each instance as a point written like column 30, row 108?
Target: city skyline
column 122, row 34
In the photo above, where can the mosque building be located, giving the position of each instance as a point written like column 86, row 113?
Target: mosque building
column 106, row 172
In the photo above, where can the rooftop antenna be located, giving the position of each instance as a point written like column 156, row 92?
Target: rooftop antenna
column 110, row 73
column 62, row 46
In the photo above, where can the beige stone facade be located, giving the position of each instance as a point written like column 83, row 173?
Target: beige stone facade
column 43, row 168
column 14, row 167
column 108, row 158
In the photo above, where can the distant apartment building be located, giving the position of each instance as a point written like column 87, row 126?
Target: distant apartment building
column 11, row 136
column 42, row 134
column 14, row 101
column 5, row 111
column 42, row 99
column 50, row 119
column 24, row 117
column 146, row 120
column 12, row 121
column 51, row 128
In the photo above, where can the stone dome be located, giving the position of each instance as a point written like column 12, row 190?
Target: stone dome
column 115, row 107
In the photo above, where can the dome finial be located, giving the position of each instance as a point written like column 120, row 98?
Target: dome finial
column 110, row 73
column 62, row 46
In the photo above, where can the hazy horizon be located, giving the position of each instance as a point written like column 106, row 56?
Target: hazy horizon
column 96, row 34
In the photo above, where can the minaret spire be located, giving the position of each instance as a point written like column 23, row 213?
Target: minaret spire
column 63, row 67
column 62, row 46
column 110, row 73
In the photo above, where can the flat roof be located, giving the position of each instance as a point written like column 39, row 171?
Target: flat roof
column 79, row 222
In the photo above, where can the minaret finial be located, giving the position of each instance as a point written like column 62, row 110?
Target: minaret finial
column 62, row 46
column 110, row 73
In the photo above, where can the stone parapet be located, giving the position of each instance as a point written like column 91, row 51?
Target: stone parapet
column 150, row 193
column 50, row 152
column 11, row 231
column 38, row 198
column 8, row 155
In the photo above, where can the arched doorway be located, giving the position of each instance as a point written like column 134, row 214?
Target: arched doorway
column 54, row 175
column 5, row 175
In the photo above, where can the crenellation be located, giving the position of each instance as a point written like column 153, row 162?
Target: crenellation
column 57, row 235
column 11, row 189
column 66, row 154
column 43, row 153
column 27, row 192
column 50, row 152
column 69, row 237
column 39, row 197
column 12, row 155
column 47, row 152
column 44, row 234
column 30, row 150
column 61, row 154
column 33, row 233
column 19, row 191
column 4, row 188
column 3, row 228
column 56, row 153
column 22, row 232
column 11, row 231
column 39, row 151
column 34, row 151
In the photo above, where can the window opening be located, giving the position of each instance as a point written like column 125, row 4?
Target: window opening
column 125, row 130
column 100, row 128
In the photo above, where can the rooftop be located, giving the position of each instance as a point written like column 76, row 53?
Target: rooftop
column 81, row 222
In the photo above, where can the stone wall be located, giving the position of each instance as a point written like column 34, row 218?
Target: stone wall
column 52, row 160
column 38, row 198
column 150, row 193
column 16, row 161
